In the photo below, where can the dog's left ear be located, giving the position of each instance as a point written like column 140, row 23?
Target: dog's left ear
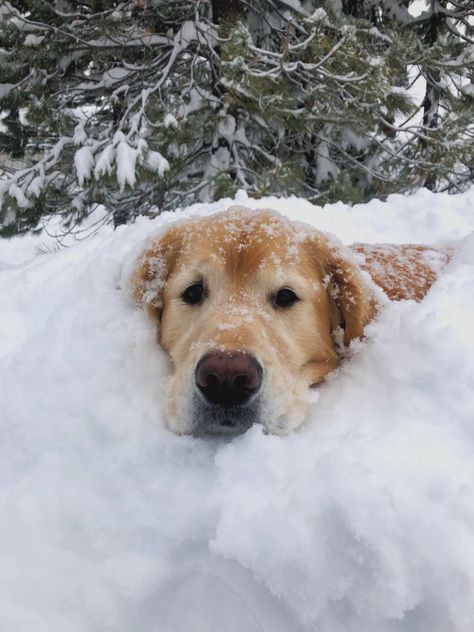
column 348, row 290
column 153, row 269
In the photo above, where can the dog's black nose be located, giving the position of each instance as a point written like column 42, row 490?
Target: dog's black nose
column 228, row 378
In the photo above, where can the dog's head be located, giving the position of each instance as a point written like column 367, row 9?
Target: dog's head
column 247, row 304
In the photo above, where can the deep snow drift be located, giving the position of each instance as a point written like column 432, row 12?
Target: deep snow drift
column 361, row 522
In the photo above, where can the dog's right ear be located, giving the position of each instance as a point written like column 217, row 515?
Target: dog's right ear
column 153, row 269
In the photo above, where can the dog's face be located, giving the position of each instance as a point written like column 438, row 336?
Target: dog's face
column 247, row 304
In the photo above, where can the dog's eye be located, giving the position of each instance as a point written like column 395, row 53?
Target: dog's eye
column 285, row 298
column 193, row 294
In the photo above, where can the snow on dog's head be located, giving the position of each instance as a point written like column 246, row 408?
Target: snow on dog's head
column 246, row 304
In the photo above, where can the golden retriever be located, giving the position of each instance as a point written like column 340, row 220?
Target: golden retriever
column 254, row 309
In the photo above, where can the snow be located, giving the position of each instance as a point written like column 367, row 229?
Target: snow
column 15, row 191
column 3, row 115
column 104, row 162
column 468, row 90
column 33, row 40
column 417, row 7
column 6, row 88
column 117, row 73
column 126, row 161
column 170, row 121
column 156, row 162
column 80, row 136
column 36, row 185
column 84, row 163
column 362, row 521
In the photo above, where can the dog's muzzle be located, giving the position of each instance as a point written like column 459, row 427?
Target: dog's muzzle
column 226, row 398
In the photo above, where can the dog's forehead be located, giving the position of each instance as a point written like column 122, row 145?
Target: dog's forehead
column 242, row 239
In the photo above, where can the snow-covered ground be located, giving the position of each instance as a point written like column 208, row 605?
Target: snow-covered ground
column 361, row 522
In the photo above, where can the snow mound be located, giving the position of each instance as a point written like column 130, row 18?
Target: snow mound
column 363, row 521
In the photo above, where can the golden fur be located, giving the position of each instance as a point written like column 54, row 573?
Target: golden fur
column 243, row 258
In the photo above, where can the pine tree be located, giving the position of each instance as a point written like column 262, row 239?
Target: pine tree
column 446, row 62
column 148, row 105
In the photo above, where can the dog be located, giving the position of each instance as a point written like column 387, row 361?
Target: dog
column 254, row 309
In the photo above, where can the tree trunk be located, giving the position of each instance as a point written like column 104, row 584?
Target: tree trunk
column 224, row 14
column 358, row 9
column 224, row 11
column 431, row 101
column 354, row 7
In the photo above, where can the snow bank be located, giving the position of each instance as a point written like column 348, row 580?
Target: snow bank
column 363, row 521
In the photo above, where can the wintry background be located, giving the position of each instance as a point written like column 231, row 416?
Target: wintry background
column 116, row 119
column 148, row 105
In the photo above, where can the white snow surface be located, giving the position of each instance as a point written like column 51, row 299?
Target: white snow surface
column 363, row 521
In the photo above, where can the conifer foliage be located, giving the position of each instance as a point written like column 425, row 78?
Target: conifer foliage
column 147, row 105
